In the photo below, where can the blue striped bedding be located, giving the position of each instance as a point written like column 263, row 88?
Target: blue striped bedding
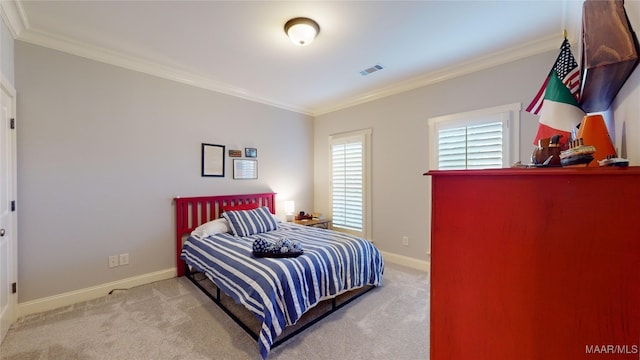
column 279, row 290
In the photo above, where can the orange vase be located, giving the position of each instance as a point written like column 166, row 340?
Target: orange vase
column 594, row 132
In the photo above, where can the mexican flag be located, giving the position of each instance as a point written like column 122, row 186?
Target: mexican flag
column 561, row 112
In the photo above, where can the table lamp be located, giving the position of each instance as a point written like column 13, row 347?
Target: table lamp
column 289, row 210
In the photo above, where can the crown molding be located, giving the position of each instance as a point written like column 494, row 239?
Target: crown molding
column 88, row 51
column 502, row 57
column 14, row 17
column 572, row 20
column 152, row 68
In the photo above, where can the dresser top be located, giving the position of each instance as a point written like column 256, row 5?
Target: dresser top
column 546, row 171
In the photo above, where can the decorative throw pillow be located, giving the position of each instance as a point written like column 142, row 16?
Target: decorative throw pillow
column 261, row 245
column 283, row 247
column 250, row 222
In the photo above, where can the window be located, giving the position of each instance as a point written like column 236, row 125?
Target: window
column 481, row 139
column 350, row 182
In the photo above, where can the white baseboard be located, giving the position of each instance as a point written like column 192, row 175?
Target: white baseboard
column 406, row 261
column 94, row 292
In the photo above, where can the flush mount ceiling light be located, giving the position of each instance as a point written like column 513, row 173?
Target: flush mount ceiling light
column 301, row 30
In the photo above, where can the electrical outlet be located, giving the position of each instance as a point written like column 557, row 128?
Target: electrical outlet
column 113, row 261
column 405, row 240
column 124, row 259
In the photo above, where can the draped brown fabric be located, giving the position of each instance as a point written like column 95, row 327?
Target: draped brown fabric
column 609, row 54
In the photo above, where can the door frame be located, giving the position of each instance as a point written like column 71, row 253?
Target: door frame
column 12, row 226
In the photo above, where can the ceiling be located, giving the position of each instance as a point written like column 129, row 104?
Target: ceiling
column 240, row 48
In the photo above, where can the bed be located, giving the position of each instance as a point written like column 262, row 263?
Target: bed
column 215, row 237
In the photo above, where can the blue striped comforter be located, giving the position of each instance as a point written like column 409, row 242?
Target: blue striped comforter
column 279, row 290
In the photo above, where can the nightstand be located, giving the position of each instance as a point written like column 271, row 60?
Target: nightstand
column 323, row 223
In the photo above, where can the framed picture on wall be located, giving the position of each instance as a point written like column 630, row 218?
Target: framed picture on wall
column 245, row 169
column 212, row 160
column 250, row 152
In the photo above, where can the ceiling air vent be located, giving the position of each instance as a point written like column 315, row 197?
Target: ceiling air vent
column 372, row 69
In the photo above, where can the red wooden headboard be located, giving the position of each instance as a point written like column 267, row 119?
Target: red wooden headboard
column 194, row 211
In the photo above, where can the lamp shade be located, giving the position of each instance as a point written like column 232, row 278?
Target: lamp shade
column 301, row 30
column 289, row 209
column 594, row 132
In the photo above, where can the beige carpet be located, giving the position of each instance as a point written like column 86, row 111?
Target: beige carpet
column 172, row 319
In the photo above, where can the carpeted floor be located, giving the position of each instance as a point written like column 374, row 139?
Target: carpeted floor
column 172, row 319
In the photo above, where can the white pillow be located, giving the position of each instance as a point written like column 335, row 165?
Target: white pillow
column 213, row 227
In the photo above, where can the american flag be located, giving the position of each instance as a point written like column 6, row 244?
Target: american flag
column 567, row 69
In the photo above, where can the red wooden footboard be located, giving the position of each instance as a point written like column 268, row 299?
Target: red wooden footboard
column 194, row 211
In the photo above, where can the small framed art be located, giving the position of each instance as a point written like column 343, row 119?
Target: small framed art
column 235, row 153
column 250, row 152
column 212, row 160
column 245, row 169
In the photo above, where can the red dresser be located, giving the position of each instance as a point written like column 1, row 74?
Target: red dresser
column 535, row 263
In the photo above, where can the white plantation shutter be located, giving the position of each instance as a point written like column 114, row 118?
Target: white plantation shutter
column 347, row 185
column 349, row 190
column 471, row 147
column 481, row 139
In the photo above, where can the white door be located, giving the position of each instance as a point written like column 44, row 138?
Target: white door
column 8, row 217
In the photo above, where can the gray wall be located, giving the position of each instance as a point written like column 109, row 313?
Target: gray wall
column 103, row 150
column 626, row 106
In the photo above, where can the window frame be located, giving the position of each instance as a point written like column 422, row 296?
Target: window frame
column 365, row 136
column 509, row 115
